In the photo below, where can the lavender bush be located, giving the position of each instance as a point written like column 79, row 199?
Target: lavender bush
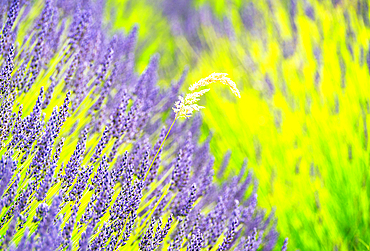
column 82, row 166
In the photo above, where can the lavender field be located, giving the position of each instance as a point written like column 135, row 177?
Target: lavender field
column 184, row 125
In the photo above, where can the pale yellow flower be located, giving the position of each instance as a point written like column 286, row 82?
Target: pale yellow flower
column 216, row 77
column 184, row 108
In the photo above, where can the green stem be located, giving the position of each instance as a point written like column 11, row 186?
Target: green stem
column 147, row 172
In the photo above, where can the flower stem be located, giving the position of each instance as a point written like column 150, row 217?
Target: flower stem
column 169, row 130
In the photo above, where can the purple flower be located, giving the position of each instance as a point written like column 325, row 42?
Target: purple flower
column 79, row 27
column 252, row 242
column 181, row 172
column 6, row 32
column 81, row 183
column 206, row 178
column 129, row 226
column 119, row 115
column 145, row 86
column 189, row 203
column 179, row 237
column 6, row 71
column 45, row 183
column 49, row 93
column 271, row 238
column 105, row 65
column 69, row 226
column 6, row 172
column 84, row 241
column 49, row 234
column 196, row 241
column 22, row 243
column 230, row 233
column 101, row 144
column 225, row 163
column 71, row 71
column 41, row 211
column 75, row 161
column 285, row 245
column 146, row 243
column 8, row 197
column 10, row 231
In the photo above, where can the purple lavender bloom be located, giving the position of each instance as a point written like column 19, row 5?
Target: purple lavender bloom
column 285, row 245
column 159, row 210
column 22, row 201
column 145, row 86
column 63, row 112
column 45, row 183
column 181, row 172
column 154, row 169
column 36, row 61
column 8, row 197
column 10, row 231
column 252, row 242
column 144, row 166
column 293, row 9
column 161, row 234
column 119, row 115
column 84, row 241
column 172, row 94
column 102, row 238
column 202, row 154
column 196, row 241
column 49, row 234
column 105, row 65
column 81, row 183
column 119, row 208
column 101, row 144
column 129, row 126
column 176, row 174
column 248, row 16
column 269, row 85
column 130, row 41
column 230, row 233
column 189, row 204
column 22, row 243
column 101, row 173
column 129, row 226
column 6, row 32
column 44, row 144
column 49, row 93
column 79, row 27
column 6, row 164
column 41, row 211
column 104, row 197
column 368, row 58
column 310, row 12
column 119, row 169
column 105, row 89
column 69, row 226
column 206, row 178
column 6, row 71
column 75, row 161
column 71, row 71
column 271, row 238
column 179, row 236
column 146, row 243
column 225, row 163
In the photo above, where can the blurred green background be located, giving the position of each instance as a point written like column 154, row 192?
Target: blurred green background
column 302, row 121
